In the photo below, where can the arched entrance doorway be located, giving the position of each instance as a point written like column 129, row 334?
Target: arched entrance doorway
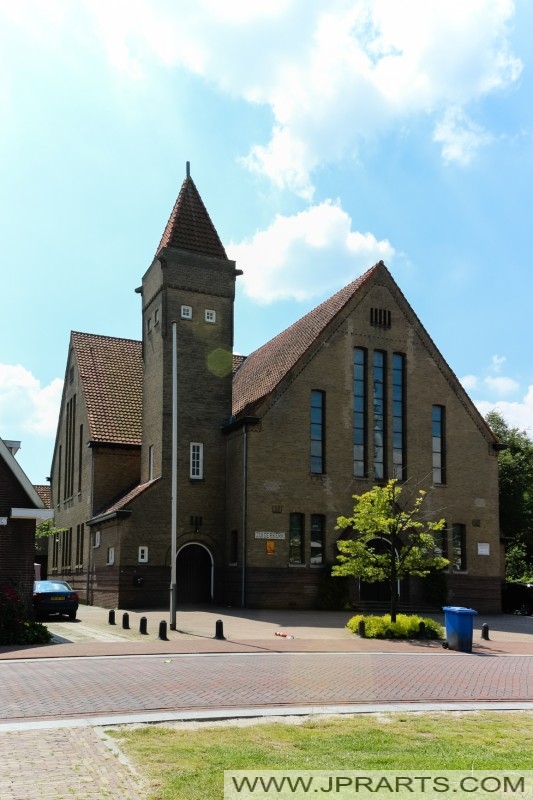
column 194, row 574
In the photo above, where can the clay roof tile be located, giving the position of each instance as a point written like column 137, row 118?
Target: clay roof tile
column 263, row 370
column 190, row 227
column 110, row 371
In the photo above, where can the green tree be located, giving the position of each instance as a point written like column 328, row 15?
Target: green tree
column 45, row 529
column 515, row 481
column 517, row 565
column 408, row 537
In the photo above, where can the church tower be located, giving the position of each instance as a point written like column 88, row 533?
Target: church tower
column 188, row 295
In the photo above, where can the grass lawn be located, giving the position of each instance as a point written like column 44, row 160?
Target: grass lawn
column 189, row 761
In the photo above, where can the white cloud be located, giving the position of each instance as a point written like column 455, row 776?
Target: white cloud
column 498, row 385
column 460, row 137
column 498, row 362
column 469, row 382
column 305, row 255
column 501, row 385
column 333, row 75
column 25, row 405
column 516, row 414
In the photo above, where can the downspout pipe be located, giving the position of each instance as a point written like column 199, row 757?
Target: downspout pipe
column 244, row 511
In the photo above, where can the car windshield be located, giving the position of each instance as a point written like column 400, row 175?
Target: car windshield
column 51, row 586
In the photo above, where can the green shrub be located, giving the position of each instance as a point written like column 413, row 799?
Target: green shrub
column 407, row 626
column 15, row 627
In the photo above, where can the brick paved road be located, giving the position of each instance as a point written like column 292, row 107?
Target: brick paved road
column 76, row 764
column 107, row 686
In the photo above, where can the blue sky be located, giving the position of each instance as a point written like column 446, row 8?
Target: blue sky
column 322, row 137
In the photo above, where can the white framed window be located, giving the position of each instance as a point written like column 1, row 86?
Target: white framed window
column 210, row 315
column 143, row 555
column 197, row 461
column 186, row 312
column 96, row 539
column 110, row 556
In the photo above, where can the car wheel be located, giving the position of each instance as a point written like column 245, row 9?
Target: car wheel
column 72, row 616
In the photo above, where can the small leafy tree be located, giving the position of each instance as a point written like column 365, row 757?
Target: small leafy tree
column 45, row 529
column 409, row 539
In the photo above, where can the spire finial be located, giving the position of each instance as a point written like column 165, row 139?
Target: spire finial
column 188, row 169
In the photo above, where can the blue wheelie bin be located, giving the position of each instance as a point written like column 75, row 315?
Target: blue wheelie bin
column 459, row 624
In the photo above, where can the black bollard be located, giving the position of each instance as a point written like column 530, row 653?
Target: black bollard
column 421, row 630
column 111, row 617
column 126, row 622
column 219, row 629
column 361, row 628
column 163, row 631
column 485, row 631
column 143, row 625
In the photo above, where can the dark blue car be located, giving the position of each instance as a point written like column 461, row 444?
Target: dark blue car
column 54, row 597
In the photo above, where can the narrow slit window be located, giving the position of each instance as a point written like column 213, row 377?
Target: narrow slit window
column 438, row 444
column 318, row 527
column 359, row 413
column 398, row 416
column 459, row 547
column 379, row 420
column 296, row 539
column 317, row 432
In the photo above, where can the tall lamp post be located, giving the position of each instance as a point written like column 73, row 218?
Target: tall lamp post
column 174, row 500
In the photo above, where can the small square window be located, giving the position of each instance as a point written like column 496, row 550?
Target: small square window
column 149, row 324
column 110, row 556
column 210, row 315
column 96, row 539
column 143, row 555
column 186, row 312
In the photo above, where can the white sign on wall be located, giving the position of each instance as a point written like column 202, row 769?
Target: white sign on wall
column 483, row 549
column 270, row 534
column 3, row 520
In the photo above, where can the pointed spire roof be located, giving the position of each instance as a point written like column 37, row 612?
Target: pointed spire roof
column 189, row 226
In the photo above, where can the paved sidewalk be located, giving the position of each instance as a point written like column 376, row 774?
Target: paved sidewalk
column 248, row 631
column 65, row 764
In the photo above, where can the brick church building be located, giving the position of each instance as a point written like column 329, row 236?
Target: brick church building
column 241, row 465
